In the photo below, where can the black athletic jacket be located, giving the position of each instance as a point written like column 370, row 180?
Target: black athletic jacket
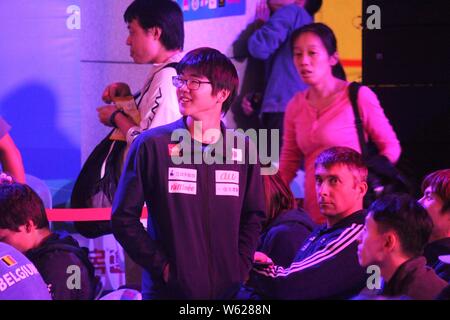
column 204, row 219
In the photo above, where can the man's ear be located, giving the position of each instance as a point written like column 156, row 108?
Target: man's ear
column 222, row 95
column 155, row 32
column 363, row 187
column 390, row 240
column 30, row 226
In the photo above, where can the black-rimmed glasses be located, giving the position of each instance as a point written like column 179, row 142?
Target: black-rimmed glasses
column 192, row 84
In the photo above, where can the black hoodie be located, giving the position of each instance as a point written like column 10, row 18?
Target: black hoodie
column 57, row 259
column 282, row 238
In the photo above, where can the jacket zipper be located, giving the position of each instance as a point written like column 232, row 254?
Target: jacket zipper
column 208, row 234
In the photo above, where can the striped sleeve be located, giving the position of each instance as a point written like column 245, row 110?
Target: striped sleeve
column 332, row 272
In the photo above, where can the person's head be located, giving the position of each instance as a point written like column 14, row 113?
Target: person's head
column 206, row 77
column 436, row 200
column 22, row 212
column 314, row 48
column 396, row 228
column 341, row 177
column 277, row 195
column 311, row 6
column 155, row 26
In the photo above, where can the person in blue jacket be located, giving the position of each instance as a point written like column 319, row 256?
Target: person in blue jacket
column 272, row 43
column 326, row 264
column 19, row 278
column 203, row 192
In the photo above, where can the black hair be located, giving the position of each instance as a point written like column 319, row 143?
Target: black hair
column 407, row 218
column 164, row 14
column 312, row 6
column 439, row 181
column 18, row 205
column 215, row 66
column 328, row 39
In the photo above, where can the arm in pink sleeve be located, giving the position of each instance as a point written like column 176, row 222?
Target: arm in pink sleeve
column 291, row 155
column 377, row 125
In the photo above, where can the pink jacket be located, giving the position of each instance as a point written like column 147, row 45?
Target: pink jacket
column 309, row 132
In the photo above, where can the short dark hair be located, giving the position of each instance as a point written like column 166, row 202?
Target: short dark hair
column 343, row 156
column 312, row 6
column 406, row 217
column 215, row 66
column 326, row 35
column 439, row 181
column 164, row 14
column 18, row 205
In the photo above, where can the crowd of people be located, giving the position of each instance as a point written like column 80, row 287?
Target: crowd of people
column 218, row 228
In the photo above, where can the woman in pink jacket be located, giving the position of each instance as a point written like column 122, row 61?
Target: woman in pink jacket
column 322, row 117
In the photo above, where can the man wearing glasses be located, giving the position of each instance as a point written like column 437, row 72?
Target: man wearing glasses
column 204, row 218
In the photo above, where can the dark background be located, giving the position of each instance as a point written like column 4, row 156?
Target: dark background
column 407, row 64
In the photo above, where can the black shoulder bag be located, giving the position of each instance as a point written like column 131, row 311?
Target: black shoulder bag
column 384, row 177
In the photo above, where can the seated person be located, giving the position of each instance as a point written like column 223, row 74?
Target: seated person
column 286, row 227
column 326, row 265
column 396, row 231
column 19, row 278
column 64, row 266
column 10, row 157
column 436, row 200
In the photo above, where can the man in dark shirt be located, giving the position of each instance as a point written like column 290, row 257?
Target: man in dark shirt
column 396, row 231
column 204, row 216
column 326, row 265
column 64, row 266
column 436, row 200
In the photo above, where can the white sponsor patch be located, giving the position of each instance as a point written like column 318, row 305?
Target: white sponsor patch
column 182, row 174
column 182, row 187
column 236, row 154
column 227, row 176
column 227, row 189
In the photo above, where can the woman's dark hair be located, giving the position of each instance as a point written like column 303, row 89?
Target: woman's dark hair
column 328, row 39
column 312, row 6
column 277, row 195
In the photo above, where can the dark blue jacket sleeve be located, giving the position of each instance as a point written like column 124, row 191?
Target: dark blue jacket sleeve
column 332, row 276
column 134, row 184
column 252, row 218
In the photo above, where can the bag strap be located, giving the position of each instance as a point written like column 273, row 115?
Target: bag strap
column 353, row 90
column 139, row 93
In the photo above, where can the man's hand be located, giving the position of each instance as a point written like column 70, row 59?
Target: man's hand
column 4, row 178
column 262, row 13
column 166, row 273
column 247, row 105
column 117, row 89
column 261, row 258
column 104, row 113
